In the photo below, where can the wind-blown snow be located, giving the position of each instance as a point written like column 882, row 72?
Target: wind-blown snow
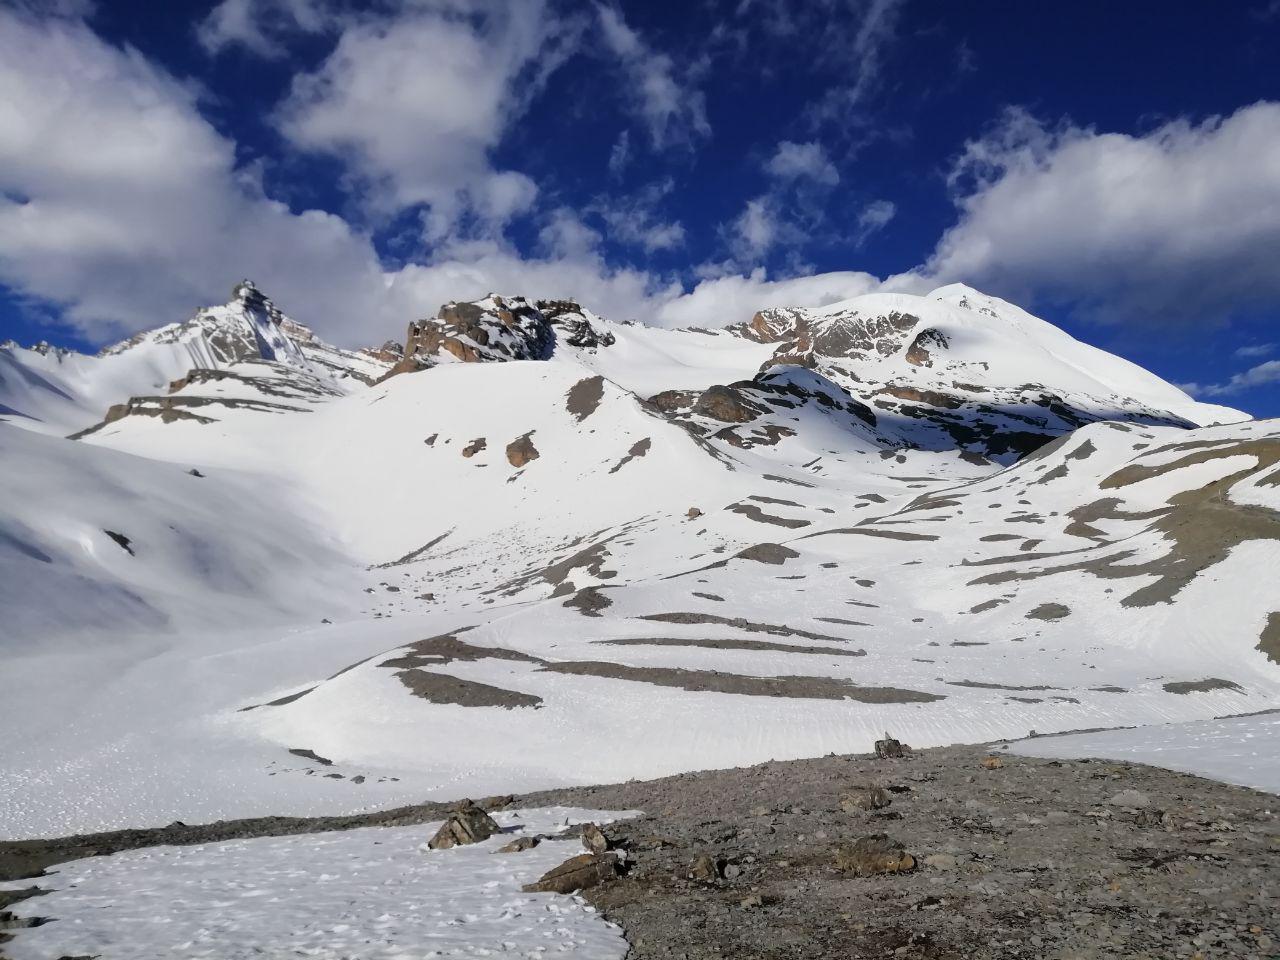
column 370, row 894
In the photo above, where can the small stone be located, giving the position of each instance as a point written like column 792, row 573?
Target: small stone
column 705, row 869
column 519, row 845
column 1130, row 800
column 693, row 513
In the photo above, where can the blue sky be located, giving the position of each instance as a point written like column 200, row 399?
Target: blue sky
column 1112, row 167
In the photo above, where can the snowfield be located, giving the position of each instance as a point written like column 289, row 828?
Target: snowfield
column 375, row 894
column 551, row 549
column 1239, row 750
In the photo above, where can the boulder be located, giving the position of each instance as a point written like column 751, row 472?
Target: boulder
column 577, row 873
column 888, row 747
column 866, row 798
column 467, row 824
column 521, row 450
column 594, row 839
column 874, row 854
column 726, row 404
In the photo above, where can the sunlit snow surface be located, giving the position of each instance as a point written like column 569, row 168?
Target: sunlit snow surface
column 1242, row 750
column 373, row 894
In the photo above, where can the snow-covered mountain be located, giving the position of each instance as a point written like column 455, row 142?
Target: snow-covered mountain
column 536, row 546
column 59, row 391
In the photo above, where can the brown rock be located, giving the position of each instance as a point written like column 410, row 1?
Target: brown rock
column 474, row 447
column 576, row 873
column 594, row 839
column 521, row 450
column 467, row 824
column 693, row 513
column 875, row 854
column 866, row 798
column 705, row 869
column 726, row 404
column 992, row 763
column 519, row 845
column 888, row 747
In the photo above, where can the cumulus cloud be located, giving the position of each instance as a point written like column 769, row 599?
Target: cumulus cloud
column 670, row 105
column 1179, row 225
column 802, row 161
column 415, row 102
column 121, row 205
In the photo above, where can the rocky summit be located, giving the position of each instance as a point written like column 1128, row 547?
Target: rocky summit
column 249, row 575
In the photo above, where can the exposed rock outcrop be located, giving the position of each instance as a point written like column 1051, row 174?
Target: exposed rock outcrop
column 467, row 824
column 497, row 329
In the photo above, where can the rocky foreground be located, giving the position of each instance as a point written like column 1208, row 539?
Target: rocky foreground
column 975, row 855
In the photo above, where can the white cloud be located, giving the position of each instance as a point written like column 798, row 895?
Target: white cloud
column 262, row 26
column 414, row 103
column 120, row 204
column 1261, row 375
column 1179, row 225
column 755, row 230
column 566, row 236
column 635, row 220
column 620, row 155
column 673, row 110
column 859, row 33
column 1255, row 350
column 123, row 206
column 719, row 301
column 875, row 217
column 802, row 161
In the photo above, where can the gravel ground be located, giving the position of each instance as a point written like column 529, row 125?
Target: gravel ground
column 1066, row 860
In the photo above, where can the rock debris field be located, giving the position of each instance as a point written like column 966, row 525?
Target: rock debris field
column 946, row 853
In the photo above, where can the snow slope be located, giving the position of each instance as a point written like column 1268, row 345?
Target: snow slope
column 568, row 550
column 1234, row 749
column 376, row 894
